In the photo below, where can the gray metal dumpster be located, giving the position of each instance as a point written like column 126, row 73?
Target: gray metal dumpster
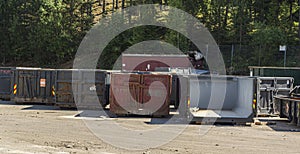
column 83, row 89
column 6, row 74
column 33, row 85
column 221, row 98
column 267, row 88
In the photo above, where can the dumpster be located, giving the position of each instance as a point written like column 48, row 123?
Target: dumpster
column 263, row 71
column 33, row 85
column 140, row 94
column 125, row 93
column 156, row 91
column 289, row 105
column 82, row 90
column 268, row 87
column 6, row 74
column 238, row 105
column 152, row 62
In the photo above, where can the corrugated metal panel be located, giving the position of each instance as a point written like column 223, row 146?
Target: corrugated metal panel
column 6, row 74
column 142, row 94
column 64, row 92
column 125, row 93
column 33, row 85
column 156, row 94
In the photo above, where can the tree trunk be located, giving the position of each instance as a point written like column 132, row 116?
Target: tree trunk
column 250, row 10
column 291, row 14
column 219, row 24
column 278, row 12
column 103, row 6
column 130, row 13
column 299, row 20
column 123, row 4
column 82, row 16
column 226, row 15
column 117, row 4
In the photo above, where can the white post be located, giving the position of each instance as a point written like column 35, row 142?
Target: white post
column 283, row 48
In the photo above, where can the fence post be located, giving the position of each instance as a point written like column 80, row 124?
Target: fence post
column 232, row 52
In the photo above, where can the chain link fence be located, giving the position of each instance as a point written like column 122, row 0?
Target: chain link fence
column 237, row 58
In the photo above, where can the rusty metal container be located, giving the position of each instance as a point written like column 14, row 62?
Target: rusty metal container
column 156, row 92
column 80, row 87
column 124, row 93
column 140, row 94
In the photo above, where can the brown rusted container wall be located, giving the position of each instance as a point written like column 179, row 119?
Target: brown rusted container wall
column 124, row 93
column 156, row 94
column 140, row 62
column 130, row 94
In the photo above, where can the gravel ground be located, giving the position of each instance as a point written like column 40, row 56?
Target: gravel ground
column 46, row 129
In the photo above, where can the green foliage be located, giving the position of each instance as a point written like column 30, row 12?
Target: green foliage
column 48, row 32
column 266, row 40
column 42, row 32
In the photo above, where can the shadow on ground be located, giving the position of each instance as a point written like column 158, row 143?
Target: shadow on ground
column 7, row 103
column 280, row 124
column 41, row 107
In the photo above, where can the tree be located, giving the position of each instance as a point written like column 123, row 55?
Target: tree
column 267, row 40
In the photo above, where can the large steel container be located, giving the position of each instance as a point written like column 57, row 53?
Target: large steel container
column 141, row 94
column 33, row 85
column 206, row 101
column 6, row 74
column 268, row 87
column 289, row 107
column 80, row 87
column 156, row 92
column 152, row 62
column 276, row 72
column 125, row 93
